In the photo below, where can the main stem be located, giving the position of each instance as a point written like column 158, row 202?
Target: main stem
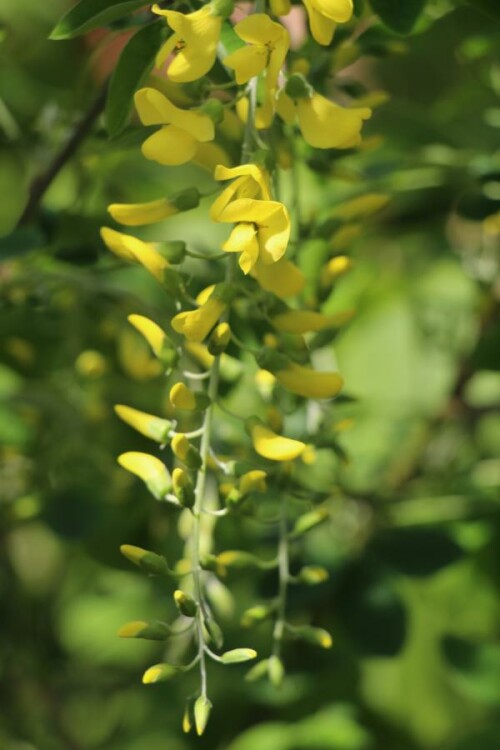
column 197, row 514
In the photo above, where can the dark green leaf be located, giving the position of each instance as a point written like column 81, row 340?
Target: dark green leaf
column 92, row 14
column 477, row 667
column 398, row 15
column 136, row 60
column 21, row 241
column 416, row 552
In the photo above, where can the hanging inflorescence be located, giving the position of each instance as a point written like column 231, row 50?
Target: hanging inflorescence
column 259, row 318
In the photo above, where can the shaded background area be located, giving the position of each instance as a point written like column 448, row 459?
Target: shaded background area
column 412, row 545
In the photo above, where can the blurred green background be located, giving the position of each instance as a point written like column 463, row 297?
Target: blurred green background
column 413, row 543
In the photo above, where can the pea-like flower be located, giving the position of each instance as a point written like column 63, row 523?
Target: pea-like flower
column 133, row 249
column 324, row 15
column 303, row 321
column 148, row 425
column 249, row 181
column 268, row 44
column 306, row 382
column 194, row 40
column 284, row 278
column 150, row 469
column 272, row 446
column 322, row 123
column 195, row 325
column 137, row 214
column 181, row 133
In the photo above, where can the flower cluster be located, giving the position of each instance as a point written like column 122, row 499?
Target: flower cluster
column 257, row 326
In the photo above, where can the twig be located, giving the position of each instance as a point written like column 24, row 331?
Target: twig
column 42, row 182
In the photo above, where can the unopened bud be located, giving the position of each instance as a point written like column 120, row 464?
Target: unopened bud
column 219, row 339
column 143, row 558
column 183, row 488
column 185, row 603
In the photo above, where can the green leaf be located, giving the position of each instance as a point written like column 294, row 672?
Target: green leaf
column 490, row 8
column 136, row 60
column 399, row 15
column 93, row 14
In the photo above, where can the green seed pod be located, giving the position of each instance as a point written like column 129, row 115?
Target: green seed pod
column 214, row 631
column 202, row 708
column 185, row 603
column 148, row 561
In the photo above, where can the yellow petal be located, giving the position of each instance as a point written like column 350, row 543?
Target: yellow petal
column 152, row 427
column 247, row 62
column 181, row 397
column 253, row 481
column 152, row 332
column 275, row 447
column 135, row 250
column 199, row 33
column 155, row 109
column 302, row 321
column 322, row 28
column 170, row 146
column 197, row 324
column 148, row 468
column 326, row 125
column 136, row 214
column 339, row 11
column 361, row 206
column 286, row 108
column 208, row 155
column 243, row 239
column 284, row 278
column 308, row 383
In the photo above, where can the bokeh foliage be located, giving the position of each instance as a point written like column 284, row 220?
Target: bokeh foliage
column 412, row 545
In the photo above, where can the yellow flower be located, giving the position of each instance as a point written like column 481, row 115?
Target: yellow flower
column 182, row 397
column 131, row 248
column 150, row 469
column 250, row 181
column 261, row 233
column 268, row 44
column 183, row 130
column 272, row 446
column 303, row 321
column 154, row 335
column 324, row 15
column 361, row 206
column 195, row 39
column 308, row 383
column 152, row 427
column 323, row 123
column 136, row 214
column 253, row 481
column 284, row 278
column 197, row 324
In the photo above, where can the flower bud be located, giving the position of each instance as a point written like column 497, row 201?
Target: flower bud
column 186, row 199
column 185, row 603
column 308, row 521
column 214, row 109
column 219, row 339
column 152, row 427
column 255, row 615
column 275, row 671
column 152, row 631
column 214, row 631
column 185, row 451
column 258, row 671
column 157, row 339
column 316, row 636
column 150, row 562
column 311, row 575
column 297, row 87
column 238, row 655
column 182, row 397
column 174, row 251
column 160, row 673
column 183, row 488
column 150, row 469
column 202, row 708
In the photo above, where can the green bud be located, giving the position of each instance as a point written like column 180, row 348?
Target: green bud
column 275, row 671
column 160, row 673
column 234, row 498
column 312, row 574
column 225, row 292
column 151, row 631
column 183, row 488
column 316, row 636
column 297, row 87
column 258, row 671
column 269, row 359
column 173, row 281
column 240, row 559
column 168, row 356
column 202, row 708
column 148, row 561
column 186, row 199
column 174, row 251
column 256, row 615
column 185, row 603
column 237, row 655
column 308, row 521
column 209, row 562
column 219, row 339
column 215, row 632
column 214, row 109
